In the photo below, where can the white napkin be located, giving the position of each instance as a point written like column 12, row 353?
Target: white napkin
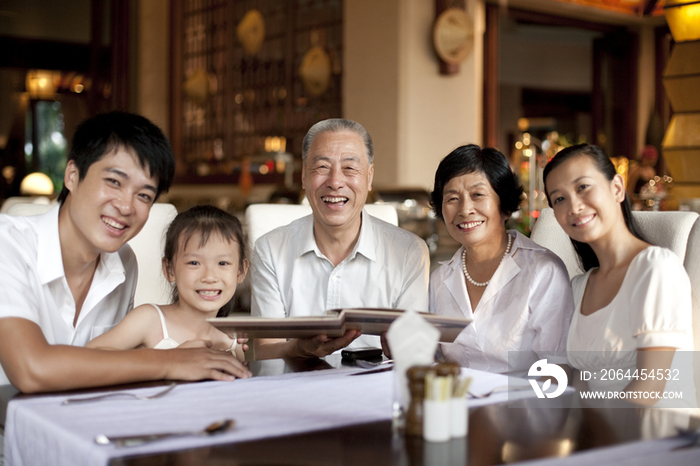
column 412, row 341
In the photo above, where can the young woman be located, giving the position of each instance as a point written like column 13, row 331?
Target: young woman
column 205, row 260
column 516, row 292
column 632, row 305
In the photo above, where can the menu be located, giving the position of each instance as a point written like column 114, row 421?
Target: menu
column 334, row 324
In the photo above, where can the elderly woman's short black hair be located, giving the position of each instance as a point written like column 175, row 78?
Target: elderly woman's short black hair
column 490, row 162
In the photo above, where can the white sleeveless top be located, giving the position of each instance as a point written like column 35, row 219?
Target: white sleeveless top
column 166, row 342
column 169, row 343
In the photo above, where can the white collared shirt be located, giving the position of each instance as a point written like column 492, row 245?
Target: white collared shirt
column 33, row 284
column 526, row 307
column 388, row 268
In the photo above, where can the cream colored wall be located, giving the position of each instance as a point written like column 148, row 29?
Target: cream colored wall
column 153, row 61
column 393, row 87
column 371, row 78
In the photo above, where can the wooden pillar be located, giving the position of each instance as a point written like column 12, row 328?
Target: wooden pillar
column 491, row 81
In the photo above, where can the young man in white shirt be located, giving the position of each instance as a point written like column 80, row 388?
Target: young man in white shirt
column 339, row 256
column 68, row 275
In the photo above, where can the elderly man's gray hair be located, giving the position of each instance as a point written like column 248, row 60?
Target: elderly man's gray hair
column 334, row 125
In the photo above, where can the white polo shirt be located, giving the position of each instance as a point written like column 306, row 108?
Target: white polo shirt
column 526, row 308
column 388, row 268
column 33, row 285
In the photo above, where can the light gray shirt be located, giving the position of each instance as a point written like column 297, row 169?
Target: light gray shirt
column 388, row 268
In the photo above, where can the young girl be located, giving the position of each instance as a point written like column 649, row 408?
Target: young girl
column 204, row 259
column 632, row 305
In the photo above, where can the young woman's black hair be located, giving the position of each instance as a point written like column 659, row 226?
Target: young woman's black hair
column 587, row 257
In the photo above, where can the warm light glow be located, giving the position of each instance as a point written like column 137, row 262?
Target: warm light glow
column 683, row 19
column 518, row 145
column 36, row 184
column 275, row 144
column 41, row 84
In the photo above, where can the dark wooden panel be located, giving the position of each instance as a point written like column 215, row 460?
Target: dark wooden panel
column 34, row 53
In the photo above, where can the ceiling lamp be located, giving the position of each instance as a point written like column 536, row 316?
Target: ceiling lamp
column 683, row 17
column 36, row 184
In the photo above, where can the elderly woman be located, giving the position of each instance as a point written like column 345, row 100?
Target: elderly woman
column 516, row 292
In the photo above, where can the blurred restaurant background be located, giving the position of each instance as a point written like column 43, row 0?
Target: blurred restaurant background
column 236, row 84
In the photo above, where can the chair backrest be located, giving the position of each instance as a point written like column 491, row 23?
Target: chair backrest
column 677, row 231
column 152, row 286
column 148, row 247
column 262, row 218
column 667, row 229
column 10, row 202
column 26, row 209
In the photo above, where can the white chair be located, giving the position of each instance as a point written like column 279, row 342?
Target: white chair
column 15, row 200
column 262, row 218
column 677, row 231
column 148, row 247
column 667, row 229
column 152, row 287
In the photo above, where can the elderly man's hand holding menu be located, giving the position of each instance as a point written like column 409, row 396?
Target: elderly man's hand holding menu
column 338, row 257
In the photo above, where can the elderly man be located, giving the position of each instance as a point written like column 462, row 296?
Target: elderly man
column 338, row 257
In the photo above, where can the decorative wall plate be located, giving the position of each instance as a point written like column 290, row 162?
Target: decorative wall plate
column 251, row 31
column 315, row 71
column 452, row 35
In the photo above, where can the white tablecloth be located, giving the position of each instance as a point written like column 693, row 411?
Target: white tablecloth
column 42, row 431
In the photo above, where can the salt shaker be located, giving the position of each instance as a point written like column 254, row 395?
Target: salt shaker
column 436, row 408
column 459, row 414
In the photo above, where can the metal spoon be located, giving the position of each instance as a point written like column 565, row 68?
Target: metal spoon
column 134, row 440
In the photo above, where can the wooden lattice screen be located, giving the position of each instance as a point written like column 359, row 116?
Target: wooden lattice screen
column 227, row 100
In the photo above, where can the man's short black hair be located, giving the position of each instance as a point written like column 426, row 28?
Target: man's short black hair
column 494, row 165
column 109, row 132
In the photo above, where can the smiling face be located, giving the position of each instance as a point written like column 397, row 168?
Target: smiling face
column 471, row 210
column 206, row 275
column 586, row 204
column 337, row 176
column 109, row 206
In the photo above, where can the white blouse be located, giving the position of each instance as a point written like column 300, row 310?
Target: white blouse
column 525, row 309
column 652, row 309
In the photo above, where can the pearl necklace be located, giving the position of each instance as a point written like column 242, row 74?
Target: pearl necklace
column 464, row 264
